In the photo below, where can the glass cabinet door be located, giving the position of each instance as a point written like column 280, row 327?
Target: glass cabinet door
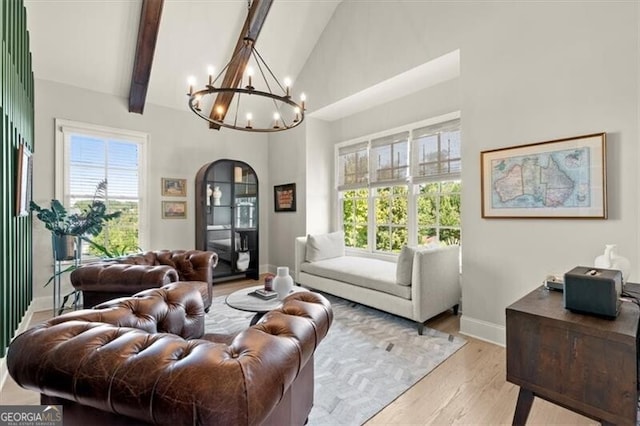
column 230, row 213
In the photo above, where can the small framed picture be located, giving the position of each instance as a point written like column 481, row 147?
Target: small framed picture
column 284, row 197
column 174, row 187
column 174, row 209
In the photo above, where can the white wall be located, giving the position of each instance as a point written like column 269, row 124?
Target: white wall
column 320, row 166
column 287, row 164
column 179, row 144
column 530, row 72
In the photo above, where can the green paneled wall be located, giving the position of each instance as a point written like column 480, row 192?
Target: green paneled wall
column 16, row 128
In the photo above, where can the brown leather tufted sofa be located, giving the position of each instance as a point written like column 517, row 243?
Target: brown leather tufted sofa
column 145, row 359
column 108, row 279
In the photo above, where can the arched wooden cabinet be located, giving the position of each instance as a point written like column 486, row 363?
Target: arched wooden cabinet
column 227, row 217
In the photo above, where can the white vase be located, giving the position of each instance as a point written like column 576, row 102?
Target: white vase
column 209, row 194
column 217, row 194
column 243, row 261
column 282, row 282
column 611, row 260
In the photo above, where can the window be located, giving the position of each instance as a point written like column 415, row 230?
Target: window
column 401, row 187
column 355, row 215
column 353, row 165
column 391, row 207
column 87, row 154
column 390, row 157
column 438, row 212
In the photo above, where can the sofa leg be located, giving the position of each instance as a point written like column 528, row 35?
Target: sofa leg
column 206, row 311
column 455, row 309
column 420, row 328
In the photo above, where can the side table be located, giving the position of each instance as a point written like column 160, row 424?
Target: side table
column 241, row 300
column 581, row 362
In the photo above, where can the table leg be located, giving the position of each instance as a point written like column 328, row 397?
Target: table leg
column 523, row 406
column 256, row 318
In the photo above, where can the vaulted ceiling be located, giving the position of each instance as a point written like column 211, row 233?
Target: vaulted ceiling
column 92, row 43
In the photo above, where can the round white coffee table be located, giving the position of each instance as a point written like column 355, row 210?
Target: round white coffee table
column 242, row 301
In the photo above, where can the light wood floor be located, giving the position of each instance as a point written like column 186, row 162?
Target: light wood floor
column 468, row 388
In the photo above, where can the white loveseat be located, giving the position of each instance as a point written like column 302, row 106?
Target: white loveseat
column 422, row 284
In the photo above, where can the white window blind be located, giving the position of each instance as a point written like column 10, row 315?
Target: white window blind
column 94, row 159
column 436, row 152
column 390, row 159
column 353, row 166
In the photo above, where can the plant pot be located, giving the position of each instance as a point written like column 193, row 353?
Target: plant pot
column 64, row 247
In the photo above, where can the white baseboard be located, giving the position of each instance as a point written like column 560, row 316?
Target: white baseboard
column 43, row 303
column 483, row 330
column 24, row 323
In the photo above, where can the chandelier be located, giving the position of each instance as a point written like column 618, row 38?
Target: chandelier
column 243, row 100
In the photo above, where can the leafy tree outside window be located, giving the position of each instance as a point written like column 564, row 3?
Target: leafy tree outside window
column 438, row 212
column 355, row 215
column 391, row 213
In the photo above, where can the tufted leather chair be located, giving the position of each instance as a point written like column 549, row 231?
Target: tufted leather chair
column 109, row 279
column 145, row 359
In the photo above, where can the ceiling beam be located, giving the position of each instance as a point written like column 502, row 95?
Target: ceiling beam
column 233, row 77
column 145, row 47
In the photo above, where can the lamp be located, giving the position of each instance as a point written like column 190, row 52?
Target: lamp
column 253, row 94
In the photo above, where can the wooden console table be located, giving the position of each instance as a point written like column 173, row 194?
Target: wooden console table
column 581, row 362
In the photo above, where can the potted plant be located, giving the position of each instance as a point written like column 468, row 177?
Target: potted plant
column 66, row 227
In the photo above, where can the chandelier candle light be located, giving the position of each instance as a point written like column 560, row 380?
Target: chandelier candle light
column 238, row 107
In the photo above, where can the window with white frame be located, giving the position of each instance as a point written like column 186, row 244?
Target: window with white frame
column 401, row 187
column 86, row 155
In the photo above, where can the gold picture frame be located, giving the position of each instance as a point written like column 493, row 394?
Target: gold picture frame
column 172, row 187
column 174, row 209
column 557, row 179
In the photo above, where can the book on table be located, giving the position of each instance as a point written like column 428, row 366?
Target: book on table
column 264, row 294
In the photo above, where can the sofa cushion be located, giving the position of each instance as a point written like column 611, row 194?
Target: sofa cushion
column 325, row 246
column 405, row 265
column 374, row 274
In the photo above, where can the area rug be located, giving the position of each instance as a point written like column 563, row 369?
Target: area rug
column 368, row 359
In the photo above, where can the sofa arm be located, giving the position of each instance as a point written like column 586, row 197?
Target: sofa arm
column 191, row 265
column 299, row 255
column 121, row 277
column 435, row 281
column 164, row 379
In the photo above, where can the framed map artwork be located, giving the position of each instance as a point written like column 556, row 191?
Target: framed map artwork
column 562, row 178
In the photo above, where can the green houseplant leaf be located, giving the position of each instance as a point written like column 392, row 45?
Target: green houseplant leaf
column 88, row 222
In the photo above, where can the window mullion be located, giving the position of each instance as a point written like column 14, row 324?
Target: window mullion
column 371, row 225
column 412, row 215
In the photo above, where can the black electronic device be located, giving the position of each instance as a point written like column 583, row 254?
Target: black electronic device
column 593, row 291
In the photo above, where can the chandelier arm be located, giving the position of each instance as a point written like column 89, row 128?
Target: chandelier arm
column 236, row 64
column 266, row 82
column 259, row 59
column 255, row 52
column 235, row 118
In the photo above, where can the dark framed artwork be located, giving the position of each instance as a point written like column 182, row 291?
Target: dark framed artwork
column 284, row 197
column 562, row 178
column 23, row 181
